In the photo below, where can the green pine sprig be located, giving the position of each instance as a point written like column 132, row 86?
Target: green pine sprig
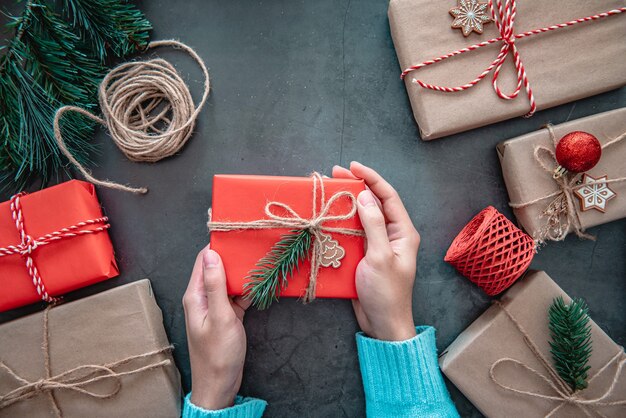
column 273, row 271
column 56, row 57
column 571, row 341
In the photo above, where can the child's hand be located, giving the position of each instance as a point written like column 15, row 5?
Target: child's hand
column 215, row 333
column 385, row 277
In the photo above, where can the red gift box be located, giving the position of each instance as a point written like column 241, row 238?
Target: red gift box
column 52, row 242
column 239, row 198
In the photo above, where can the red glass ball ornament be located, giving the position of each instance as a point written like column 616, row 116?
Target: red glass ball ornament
column 578, row 151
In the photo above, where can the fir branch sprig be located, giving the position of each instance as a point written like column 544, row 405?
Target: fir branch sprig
column 273, row 271
column 57, row 57
column 571, row 341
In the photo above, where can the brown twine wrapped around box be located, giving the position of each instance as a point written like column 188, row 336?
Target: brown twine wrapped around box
column 561, row 212
column 564, row 394
column 76, row 379
column 128, row 95
column 293, row 221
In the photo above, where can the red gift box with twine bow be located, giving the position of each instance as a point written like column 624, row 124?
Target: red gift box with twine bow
column 52, row 242
column 250, row 213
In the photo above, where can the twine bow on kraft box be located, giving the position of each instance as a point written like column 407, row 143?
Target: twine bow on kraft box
column 538, row 54
column 502, row 361
column 492, row 252
column 52, row 242
column 120, row 364
column 258, row 223
column 548, row 208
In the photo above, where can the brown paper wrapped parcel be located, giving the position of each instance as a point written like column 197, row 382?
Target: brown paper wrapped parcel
column 97, row 330
column 494, row 336
column 526, row 180
column 562, row 65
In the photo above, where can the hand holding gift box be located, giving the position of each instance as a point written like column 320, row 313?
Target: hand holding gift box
column 249, row 217
column 52, row 242
column 501, row 362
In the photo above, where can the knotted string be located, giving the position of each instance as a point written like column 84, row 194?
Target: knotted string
column 561, row 212
column 128, row 95
column 28, row 244
column 291, row 220
column 76, row 379
column 564, row 394
column 505, row 23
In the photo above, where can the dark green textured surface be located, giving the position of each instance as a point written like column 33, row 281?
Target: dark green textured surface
column 300, row 86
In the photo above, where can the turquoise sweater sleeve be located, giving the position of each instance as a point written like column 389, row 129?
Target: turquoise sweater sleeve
column 243, row 408
column 402, row 379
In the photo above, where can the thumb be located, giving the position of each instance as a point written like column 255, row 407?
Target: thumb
column 373, row 222
column 214, row 282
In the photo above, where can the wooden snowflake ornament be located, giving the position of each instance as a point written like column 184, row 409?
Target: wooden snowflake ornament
column 595, row 194
column 470, row 16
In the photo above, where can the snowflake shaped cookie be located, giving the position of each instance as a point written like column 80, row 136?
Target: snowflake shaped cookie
column 470, row 16
column 594, row 195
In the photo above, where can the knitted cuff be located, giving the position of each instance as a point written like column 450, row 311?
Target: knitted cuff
column 243, row 408
column 402, row 371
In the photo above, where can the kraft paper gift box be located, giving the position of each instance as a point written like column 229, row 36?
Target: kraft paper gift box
column 240, row 198
column 62, row 265
column 562, row 65
column 92, row 332
column 494, row 337
column 526, row 180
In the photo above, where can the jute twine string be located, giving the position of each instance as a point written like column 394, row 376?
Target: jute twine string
column 561, row 212
column 129, row 95
column 315, row 225
column 76, row 379
column 564, row 394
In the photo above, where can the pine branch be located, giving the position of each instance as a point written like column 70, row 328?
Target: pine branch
column 35, row 150
column 51, row 62
column 57, row 62
column 108, row 24
column 571, row 341
column 273, row 270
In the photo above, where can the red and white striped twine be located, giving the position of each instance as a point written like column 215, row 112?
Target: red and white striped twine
column 29, row 244
column 505, row 22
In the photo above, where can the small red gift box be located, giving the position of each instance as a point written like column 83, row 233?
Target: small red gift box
column 239, row 198
column 52, row 242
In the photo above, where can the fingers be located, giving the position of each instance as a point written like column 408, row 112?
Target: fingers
column 214, row 279
column 342, row 173
column 393, row 207
column 373, row 222
column 194, row 300
column 240, row 304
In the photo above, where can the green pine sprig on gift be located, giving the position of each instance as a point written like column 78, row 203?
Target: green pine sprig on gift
column 56, row 57
column 571, row 341
column 273, row 271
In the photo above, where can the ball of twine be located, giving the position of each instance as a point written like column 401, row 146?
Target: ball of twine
column 147, row 108
column 491, row 252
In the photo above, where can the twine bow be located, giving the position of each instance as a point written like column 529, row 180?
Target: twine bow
column 561, row 212
column 563, row 393
column 505, row 23
column 77, row 379
column 292, row 220
column 28, row 244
